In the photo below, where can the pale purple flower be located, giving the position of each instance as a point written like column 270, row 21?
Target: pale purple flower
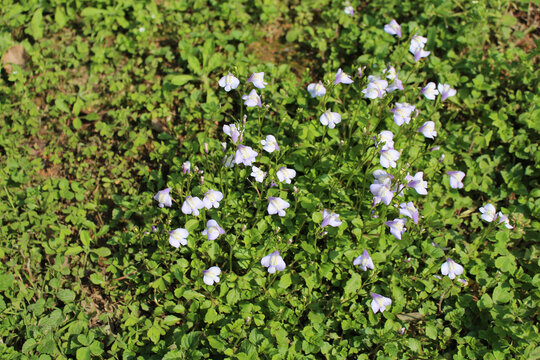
column 228, row 161
column 178, row 237
column 396, row 85
column 409, row 210
column 342, row 78
column 285, row 174
column 186, row 167
column 381, row 192
column 252, row 99
column 376, row 88
column 446, row 91
column 390, row 73
column 388, row 158
column 273, row 262
column 212, row 199
column 393, row 28
column 163, row 198
column 417, row 182
column 229, row 82
column 489, row 213
column 245, row 155
column 270, row 144
column 213, row 230
column 402, row 113
column 349, row 10
column 504, row 219
column 258, row 174
column 417, row 47
column 463, row 281
column 429, row 91
column 330, row 218
column 397, row 227
column 316, row 90
column 456, row 178
column 233, row 132
column 428, row 129
column 330, row 119
column 451, row 268
column 385, row 137
column 211, row 275
column 257, row 79
column 192, row 205
column 361, row 71
column 364, row 261
column 382, row 177
column 379, row 303
column 277, row 205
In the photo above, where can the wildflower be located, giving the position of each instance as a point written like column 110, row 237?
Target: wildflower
column 342, row 78
column 417, row 182
column 270, row 144
column 330, row 119
column 212, row 199
column 504, row 219
column 285, row 174
column 463, row 281
column 456, row 178
column 163, row 198
column 273, row 262
column 364, row 261
column 178, row 237
column 211, row 275
column 316, row 90
column 396, row 85
column 402, row 113
column 258, row 174
column 228, row 161
column 379, row 303
column 397, row 227
column 428, row 129
column 349, row 10
column 382, row 177
column 489, row 213
column 376, row 88
column 186, row 167
column 277, row 205
column 361, row 71
column 257, row 79
column 252, row 99
column 386, row 137
column 381, row 192
column 388, row 158
column 245, row 155
column 233, row 132
column 429, row 91
column 393, row 28
column 446, row 91
column 192, row 205
column 451, row 268
column 229, row 82
column 390, row 73
column 330, row 218
column 213, row 230
column 409, row 210
column 417, row 47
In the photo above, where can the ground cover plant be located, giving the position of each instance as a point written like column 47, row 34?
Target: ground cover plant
column 257, row 179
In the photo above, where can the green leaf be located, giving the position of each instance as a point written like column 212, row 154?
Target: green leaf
column 97, row 279
column 285, row 281
column 60, row 17
column 85, row 238
column 66, row 295
column 431, row 331
column 6, row 280
column 102, row 252
column 506, row 263
column 29, row 345
column 83, row 353
column 353, row 284
column 36, row 24
column 154, row 333
column 501, row 295
column 211, row 316
column 73, row 250
column 180, row 80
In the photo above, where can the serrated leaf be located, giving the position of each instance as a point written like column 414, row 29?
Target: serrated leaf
column 353, row 284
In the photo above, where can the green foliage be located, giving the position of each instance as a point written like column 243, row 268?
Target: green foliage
column 108, row 99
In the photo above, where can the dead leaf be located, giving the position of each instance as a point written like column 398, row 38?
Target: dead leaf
column 414, row 316
column 15, row 55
